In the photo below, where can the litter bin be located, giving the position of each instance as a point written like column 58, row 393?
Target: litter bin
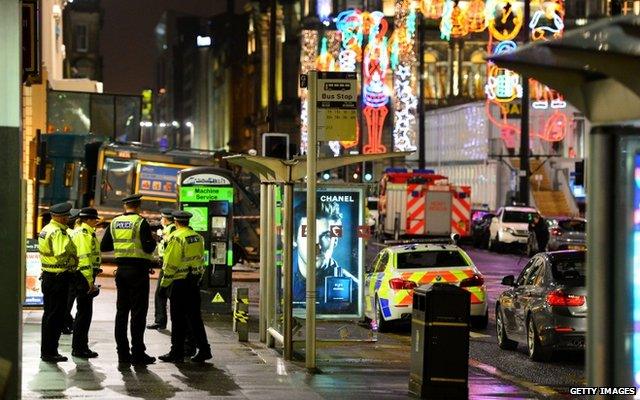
column 440, row 342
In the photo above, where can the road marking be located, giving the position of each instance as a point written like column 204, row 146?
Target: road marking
column 546, row 391
column 478, row 335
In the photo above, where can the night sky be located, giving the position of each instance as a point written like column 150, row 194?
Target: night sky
column 127, row 40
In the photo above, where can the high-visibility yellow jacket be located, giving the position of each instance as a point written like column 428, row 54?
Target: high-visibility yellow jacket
column 166, row 234
column 88, row 246
column 125, row 231
column 57, row 251
column 184, row 253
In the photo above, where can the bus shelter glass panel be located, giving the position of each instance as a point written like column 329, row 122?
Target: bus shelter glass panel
column 340, row 256
column 278, row 251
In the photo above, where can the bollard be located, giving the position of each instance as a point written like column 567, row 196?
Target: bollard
column 241, row 314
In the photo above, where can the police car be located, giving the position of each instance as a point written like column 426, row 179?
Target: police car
column 397, row 270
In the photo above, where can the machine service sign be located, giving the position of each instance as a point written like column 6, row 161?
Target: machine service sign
column 336, row 107
column 339, row 261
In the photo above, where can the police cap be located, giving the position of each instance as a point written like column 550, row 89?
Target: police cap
column 89, row 213
column 182, row 216
column 60, row 209
column 73, row 214
column 167, row 212
column 134, row 198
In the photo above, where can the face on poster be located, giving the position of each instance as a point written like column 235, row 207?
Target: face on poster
column 339, row 212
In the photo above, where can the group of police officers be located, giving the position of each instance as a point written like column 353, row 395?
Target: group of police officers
column 71, row 259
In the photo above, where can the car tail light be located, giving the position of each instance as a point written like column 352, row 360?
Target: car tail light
column 475, row 280
column 556, row 232
column 558, row 298
column 397, row 284
column 563, row 329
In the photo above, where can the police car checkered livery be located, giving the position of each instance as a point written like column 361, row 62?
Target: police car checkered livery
column 397, row 270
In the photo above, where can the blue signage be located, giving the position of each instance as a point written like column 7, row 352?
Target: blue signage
column 158, row 181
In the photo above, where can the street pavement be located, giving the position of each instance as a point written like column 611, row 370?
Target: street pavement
column 348, row 370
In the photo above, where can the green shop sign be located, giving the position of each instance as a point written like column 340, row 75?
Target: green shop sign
column 205, row 193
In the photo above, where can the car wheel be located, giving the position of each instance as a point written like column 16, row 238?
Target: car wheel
column 383, row 326
column 481, row 322
column 536, row 351
column 501, row 333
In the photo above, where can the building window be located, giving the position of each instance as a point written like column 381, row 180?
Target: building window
column 81, row 38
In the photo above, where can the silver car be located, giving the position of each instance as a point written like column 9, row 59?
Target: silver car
column 545, row 307
column 567, row 234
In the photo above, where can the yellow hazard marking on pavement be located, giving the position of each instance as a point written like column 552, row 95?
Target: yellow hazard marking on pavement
column 478, row 335
column 491, row 370
column 217, row 298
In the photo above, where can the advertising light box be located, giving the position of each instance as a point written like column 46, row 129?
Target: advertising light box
column 339, row 261
column 33, row 289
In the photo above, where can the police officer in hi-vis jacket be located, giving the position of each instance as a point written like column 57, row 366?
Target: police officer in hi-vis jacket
column 129, row 236
column 58, row 256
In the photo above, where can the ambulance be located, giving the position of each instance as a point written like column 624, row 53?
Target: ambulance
column 415, row 203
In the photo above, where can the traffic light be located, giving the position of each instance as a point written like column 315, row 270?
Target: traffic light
column 579, row 175
column 275, row 145
column 367, row 171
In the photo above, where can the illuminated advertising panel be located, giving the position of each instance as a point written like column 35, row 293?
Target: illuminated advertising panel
column 158, row 181
column 339, row 262
column 33, row 288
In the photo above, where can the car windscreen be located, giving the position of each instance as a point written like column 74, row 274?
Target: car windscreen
column 518, row 216
column 570, row 272
column 431, row 259
column 573, row 225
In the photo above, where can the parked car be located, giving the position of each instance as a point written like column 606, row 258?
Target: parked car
column 545, row 307
column 480, row 222
column 567, row 234
column 510, row 226
column 397, row 270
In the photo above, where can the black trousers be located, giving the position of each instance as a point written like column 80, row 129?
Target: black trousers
column 185, row 315
column 132, row 283
column 55, row 290
column 84, row 313
column 71, row 297
column 160, row 302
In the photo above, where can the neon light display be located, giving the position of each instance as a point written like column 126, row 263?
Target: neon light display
column 636, row 272
column 375, row 93
column 308, row 54
column 432, row 9
column 405, row 64
column 505, row 20
column 547, row 21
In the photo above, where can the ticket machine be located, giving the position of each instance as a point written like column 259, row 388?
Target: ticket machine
column 208, row 194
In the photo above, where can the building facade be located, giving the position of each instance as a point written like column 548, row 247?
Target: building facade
column 83, row 22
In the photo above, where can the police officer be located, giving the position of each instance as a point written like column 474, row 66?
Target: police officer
column 183, row 267
column 71, row 298
column 160, row 301
column 88, row 247
column 129, row 236
column 58, row 256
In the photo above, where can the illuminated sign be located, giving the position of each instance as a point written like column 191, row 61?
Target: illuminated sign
column 206, row 179
column 339, row 260
column 336, row 106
